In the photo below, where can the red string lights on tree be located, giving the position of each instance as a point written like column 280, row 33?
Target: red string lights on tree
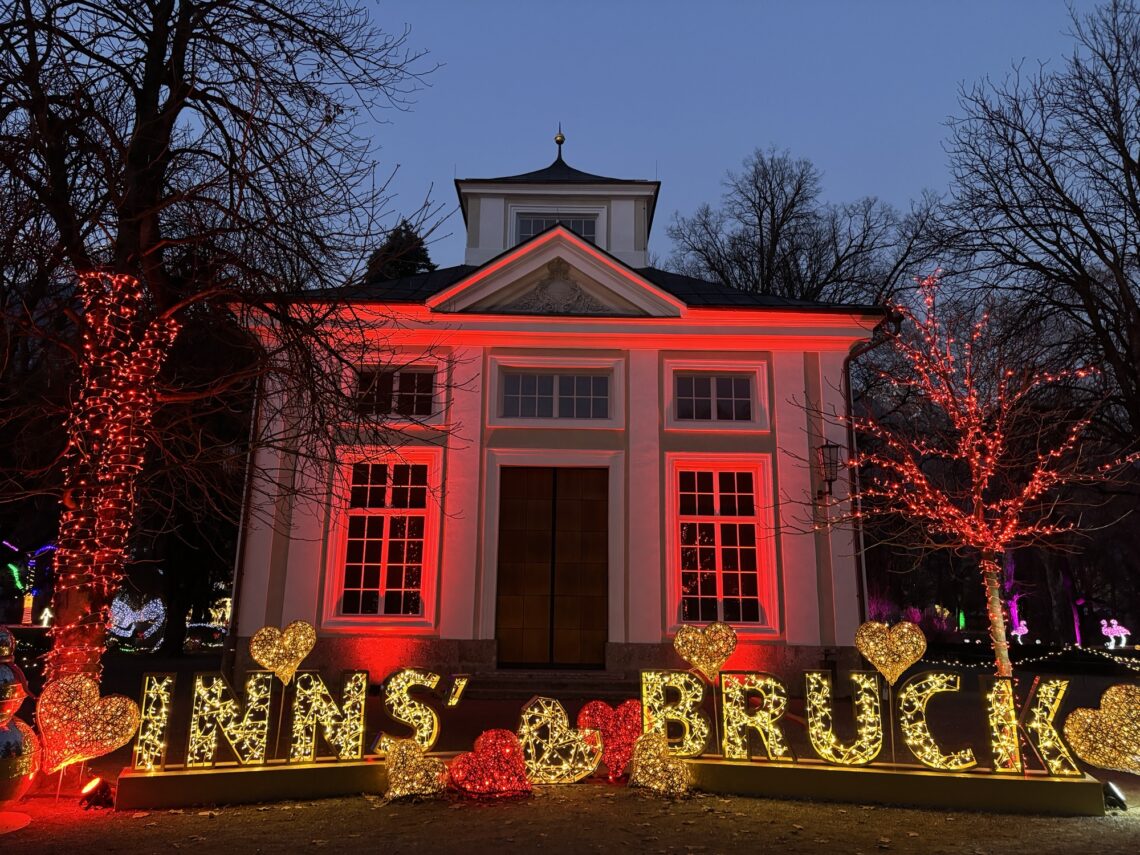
column 119, row 363
column 982, row 473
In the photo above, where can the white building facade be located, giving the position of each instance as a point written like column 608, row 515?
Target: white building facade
column 592, row 453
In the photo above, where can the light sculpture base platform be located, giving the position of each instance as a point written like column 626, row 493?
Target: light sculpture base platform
column 231, row 785
column 910, row 786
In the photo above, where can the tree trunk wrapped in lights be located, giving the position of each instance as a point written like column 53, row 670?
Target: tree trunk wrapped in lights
column 976, row 447
column 119, row 365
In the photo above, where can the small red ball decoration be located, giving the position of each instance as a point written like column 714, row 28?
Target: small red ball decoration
column 619, row 729
column 495, row 769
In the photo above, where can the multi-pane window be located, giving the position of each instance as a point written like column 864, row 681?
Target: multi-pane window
column 717, row 520
column 384, row 555
column 530, row 225
column 529, row 395
column 713, row 397
column 402, row 392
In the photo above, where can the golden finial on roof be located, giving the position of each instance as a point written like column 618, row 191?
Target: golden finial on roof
column 559, row 138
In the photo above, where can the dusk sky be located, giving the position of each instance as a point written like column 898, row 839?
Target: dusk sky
column 683, row 91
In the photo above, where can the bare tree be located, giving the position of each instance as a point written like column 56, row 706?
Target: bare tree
column 172, row 164
column 773, row 234
column 1045, row 203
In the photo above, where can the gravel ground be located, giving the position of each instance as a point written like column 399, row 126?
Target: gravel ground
column 588, row 817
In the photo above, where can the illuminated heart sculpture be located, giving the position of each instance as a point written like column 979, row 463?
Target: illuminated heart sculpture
column 283, row 652
column 654, row 768
column 495, row 769
column 77, row 725
column 891, row 649
column 1108, row 737
column 554, row 752
column 410, row 773
column 706, row 648
column 619, row 728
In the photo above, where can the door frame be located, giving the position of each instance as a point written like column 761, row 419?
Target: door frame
column 614, row 462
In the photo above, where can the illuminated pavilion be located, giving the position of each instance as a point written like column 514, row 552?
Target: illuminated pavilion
column 592, row 452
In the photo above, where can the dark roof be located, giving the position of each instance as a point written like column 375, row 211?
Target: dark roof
column 407, row 289
column 559, row 172
column 699, row 293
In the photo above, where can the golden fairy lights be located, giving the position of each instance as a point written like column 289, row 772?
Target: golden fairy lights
column 342, row 726
column 554, row 752
column 411, row 773
column 1046, row 702
column 216, row 711
column 891, row 649
column 706, row 648
column 402, row 707
column 657, row 711
column 76, row 724
column 739, row 718
column 157, row 697
column 1108, row 737
column 282, row 651
column 1001, row 714
column 913, row 699
column 868, row 720
column 654, row 767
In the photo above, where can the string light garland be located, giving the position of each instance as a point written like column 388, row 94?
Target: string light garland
column 555, row 752
column 217, row 711
column 739, row 716
column 494, row 769
column 654, row 767
column 411, row 774
column 1045, row 698
column 619, row 729
column 1001, row 715
column 283, row 651
column 890, row 649
column 404, row 708
column 1108, row 737
column 686, row 711
column 868, row 719
column 341, row 725
column 154, row 712
column 999, row 499
column 119, row 361
column 706, row 648
column 76, row 724
column 1130, row 663
column 913, row 698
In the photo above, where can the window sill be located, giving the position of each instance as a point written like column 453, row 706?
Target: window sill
column 377, row 625
column 752, row 633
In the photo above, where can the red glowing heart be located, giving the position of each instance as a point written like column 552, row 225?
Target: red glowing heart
column 494, row 769
column 619, row 729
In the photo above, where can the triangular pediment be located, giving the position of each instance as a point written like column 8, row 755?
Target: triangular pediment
column 556, row 273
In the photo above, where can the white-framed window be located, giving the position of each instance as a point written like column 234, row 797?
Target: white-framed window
column 549, row 395
column 527, row 220
column 721, row 539
column 707, row 395
column 545, row 391
column 528, row 224
column 405, row 392
column 382, row 562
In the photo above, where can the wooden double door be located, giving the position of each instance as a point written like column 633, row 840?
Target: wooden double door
column 551, row 602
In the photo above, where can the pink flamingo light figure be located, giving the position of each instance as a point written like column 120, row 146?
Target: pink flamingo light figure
column 1020, row 630
column 1112, row 630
